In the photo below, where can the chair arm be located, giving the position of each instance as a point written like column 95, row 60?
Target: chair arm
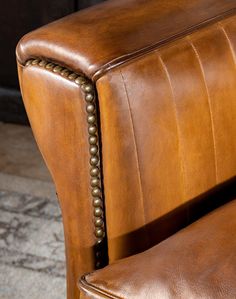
column 95, row 40
column 62, row 111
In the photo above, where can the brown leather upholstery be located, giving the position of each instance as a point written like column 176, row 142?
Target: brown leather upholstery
column 98, row 38
column 165, row 79
column 175, row 109
column 58, row 120
column 197, row 262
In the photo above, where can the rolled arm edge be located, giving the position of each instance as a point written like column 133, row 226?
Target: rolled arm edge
column 94, row 40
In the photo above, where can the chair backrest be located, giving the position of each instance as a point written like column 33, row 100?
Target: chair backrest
column 168, row 123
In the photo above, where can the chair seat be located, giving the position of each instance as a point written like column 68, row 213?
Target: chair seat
column 197, row 262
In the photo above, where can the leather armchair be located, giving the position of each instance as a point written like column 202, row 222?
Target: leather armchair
column 133, row 106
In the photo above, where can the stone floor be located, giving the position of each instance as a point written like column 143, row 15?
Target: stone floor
column 32, row 263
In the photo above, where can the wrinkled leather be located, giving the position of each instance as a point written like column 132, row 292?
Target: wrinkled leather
column 197, row 262
column 100, row 37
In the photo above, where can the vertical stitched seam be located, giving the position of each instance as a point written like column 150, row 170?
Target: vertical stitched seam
column 229, row 42
column 177, row 123
column 136, row 149
column 209, row 104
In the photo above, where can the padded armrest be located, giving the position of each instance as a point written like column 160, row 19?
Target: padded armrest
column 197, row 262
column 97, row 39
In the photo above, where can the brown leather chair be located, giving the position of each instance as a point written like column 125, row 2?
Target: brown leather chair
column 133, row 105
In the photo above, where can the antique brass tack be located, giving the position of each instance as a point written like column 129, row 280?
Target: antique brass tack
column 57, row 69
column 89, row 97
column 98, row 222
column 98, row 212
column 93, row 140
column 95, row 182
column 94, row 160
column 50, row 66
column 92, row 130
column 91, row 119
column 87, row 87
column 43, row 63
column 93, row 149
column 97, row 202
column 90, row 108
column 94, row 171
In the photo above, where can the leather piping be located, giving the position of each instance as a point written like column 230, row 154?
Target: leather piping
column 87, row 287
column 140, row 52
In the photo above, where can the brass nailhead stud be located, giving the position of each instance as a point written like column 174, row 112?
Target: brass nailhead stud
column 43, row 63
column 93, row 140
column 98, row 212
column 97, row 202
column 50, row 66
column 89, row 97
column 98, row 222
column 91, row 119
column 35, row 61
column 87, row 87
column 94, row 160
column 80, row 80
column 92, row 130
column 65, row 73
column 96, row 192
column 29, row 62
column 94, row 171
column 90, row 108
column 57, row 69
column 99, row 232
column 99, row 241
column 93, row 150
column 72, row 76
column 95, row 182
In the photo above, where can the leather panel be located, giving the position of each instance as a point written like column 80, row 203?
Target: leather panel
column 168, row 136
column 214, row 47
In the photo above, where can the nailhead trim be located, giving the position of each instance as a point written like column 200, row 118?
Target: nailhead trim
column 95, row 170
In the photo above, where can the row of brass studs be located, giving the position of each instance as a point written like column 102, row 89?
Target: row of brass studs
column 95, row 171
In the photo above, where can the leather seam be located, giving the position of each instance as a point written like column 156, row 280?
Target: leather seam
column 209, row 103
column 85, row 285
column 229, row 41
column 136, row 150
column 145, row 50
column 182, row 169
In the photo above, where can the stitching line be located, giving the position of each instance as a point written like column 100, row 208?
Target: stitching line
column 136, row 149
column 177, row 122
column 84, row 284
column 229, row 42
column 209, row 102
